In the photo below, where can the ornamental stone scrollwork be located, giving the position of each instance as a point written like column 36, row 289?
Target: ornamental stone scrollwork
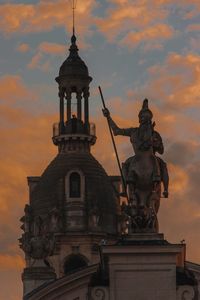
column 99, row 293
column 38, row 240
column 37, row 247
column 185, row 292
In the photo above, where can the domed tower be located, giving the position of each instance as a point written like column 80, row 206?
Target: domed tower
column 74, row 205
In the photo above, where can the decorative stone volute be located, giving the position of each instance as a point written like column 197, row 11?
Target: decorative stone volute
column 185, row 292
column 99, row 293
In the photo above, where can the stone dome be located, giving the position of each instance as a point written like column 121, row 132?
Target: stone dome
column 99, row 191
column 73, row 65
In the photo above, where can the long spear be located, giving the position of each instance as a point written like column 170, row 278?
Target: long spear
column 114, row 146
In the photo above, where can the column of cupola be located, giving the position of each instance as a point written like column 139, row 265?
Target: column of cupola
column 82, row 97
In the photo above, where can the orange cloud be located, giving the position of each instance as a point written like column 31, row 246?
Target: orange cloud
column 12, row 88
column 178, row 179
column 193, row 27
column 149, row 36
column 43, row 16
column 121, row 2
column 11, row 262
column 24, row 135
column 176, row 81
column 37, row 63
column 125, row 16
column 52, row 48
column 28, row 135
column 136, row 23
column 45, row 51
column 23, row 48
column 23, row 153
column 143, row 22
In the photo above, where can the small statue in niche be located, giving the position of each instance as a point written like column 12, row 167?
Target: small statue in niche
column 26, row 219
column 94, row 216
column 54, row 220
column 144, row 172
column 37, row 226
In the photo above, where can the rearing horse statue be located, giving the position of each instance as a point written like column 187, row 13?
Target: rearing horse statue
column 143, row 173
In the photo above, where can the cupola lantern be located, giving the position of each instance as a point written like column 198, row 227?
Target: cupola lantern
column 74, row 125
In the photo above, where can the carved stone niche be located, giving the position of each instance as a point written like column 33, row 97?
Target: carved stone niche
column 185, row 292
column 99, row 293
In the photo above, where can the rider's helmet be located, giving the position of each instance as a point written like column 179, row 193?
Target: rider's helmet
column 145, row 113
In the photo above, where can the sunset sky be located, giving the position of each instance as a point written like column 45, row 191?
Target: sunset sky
column 134, row 49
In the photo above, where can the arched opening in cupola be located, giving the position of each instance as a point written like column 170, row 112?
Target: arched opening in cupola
column 74, row 262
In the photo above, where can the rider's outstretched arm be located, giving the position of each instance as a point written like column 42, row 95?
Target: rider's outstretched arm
column 116, row 130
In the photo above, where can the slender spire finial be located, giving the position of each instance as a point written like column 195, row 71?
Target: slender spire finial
column 74, row 4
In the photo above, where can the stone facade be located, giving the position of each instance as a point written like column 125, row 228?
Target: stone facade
column 129, row 269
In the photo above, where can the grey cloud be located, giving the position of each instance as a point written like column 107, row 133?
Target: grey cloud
column 182, row 153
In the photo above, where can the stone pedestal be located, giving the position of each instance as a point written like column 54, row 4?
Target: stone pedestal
column 35, row 277
column 143, row 267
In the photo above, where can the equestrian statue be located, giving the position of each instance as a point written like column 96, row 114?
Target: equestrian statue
column 143, row 174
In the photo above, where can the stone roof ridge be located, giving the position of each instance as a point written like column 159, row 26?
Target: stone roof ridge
column 63, row 280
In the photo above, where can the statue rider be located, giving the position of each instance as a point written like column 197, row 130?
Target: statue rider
column 143, row 138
